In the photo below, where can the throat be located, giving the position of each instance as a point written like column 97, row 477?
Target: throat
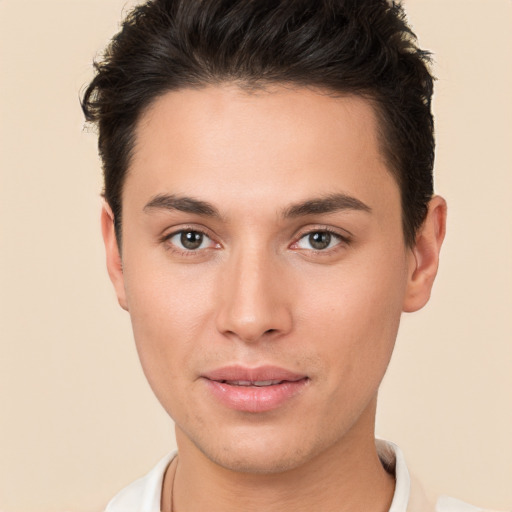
column 359, row 483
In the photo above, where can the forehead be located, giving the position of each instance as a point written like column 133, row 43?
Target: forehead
column 259, row 147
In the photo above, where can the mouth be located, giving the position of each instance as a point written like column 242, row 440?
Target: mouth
column 254, row 390
column 257, row 383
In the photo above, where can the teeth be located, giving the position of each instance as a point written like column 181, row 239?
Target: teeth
column 258, row 383
column 239, row 382
column 266, row 382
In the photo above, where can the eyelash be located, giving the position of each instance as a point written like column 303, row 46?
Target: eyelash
column 343, row 240
column 166, row 240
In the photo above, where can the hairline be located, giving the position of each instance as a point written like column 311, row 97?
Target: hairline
column 257, row 85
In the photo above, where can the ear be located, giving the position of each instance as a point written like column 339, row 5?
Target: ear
column 114, row 262
column 424, row 256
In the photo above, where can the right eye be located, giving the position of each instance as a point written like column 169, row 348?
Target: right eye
column 188, row 240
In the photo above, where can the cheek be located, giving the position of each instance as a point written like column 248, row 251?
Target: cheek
column 366, row 293
column 355, row 314
column 168, row 311
column 162, row 296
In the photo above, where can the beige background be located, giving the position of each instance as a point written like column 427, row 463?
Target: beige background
column 77, row 419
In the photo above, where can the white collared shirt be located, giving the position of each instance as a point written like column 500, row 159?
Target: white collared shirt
column 144, row 495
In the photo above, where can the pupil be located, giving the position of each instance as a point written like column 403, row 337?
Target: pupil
column 191, row 239
column 320, row 240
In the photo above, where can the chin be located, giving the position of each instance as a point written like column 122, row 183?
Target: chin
column 263, row 451
column 260, row 462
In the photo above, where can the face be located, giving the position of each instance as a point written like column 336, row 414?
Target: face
column 264, row 269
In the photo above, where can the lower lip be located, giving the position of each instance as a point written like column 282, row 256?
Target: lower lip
column 254, row 398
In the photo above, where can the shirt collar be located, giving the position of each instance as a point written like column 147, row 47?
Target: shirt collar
column 393, row 461
column 144, row 495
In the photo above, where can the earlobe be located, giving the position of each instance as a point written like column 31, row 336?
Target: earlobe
column 114, row 261
column 424, row 256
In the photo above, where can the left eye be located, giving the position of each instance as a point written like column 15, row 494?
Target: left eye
column 318, row 240
column 190, row 240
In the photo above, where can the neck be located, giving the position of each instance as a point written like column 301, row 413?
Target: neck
column 346, row 476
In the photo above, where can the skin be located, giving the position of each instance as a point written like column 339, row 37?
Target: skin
column 256, row 291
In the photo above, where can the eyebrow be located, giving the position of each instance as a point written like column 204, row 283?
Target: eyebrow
column 182, row 204
column 328, row 204
column 322, row 205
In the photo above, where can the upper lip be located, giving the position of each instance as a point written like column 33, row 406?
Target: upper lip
column 258, row 374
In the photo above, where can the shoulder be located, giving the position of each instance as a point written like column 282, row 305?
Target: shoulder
column 409, row 493
column 144, row 494
column 419, row 502
column 447, row 504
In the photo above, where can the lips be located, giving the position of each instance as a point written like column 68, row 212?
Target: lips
column 258, row 383
column 254, row 390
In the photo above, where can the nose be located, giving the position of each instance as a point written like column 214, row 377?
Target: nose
column 254, row 300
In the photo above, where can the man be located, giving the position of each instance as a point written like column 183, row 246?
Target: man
column 268, row 215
